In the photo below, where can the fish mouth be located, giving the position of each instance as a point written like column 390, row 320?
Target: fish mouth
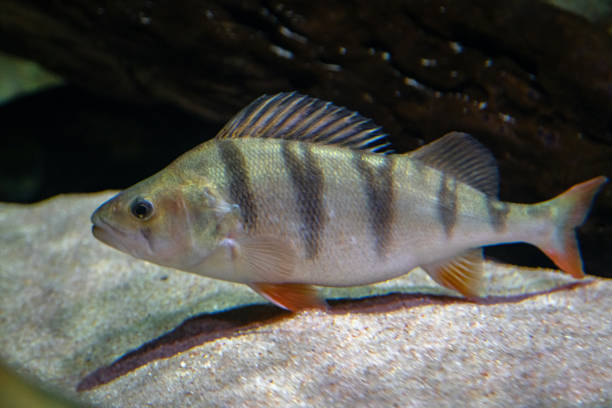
column 100, row 233
column 106, row 232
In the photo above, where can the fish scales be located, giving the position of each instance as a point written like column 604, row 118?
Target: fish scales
column 313, row 196
column 337, row 206
column 239, row 188
column 362, row 207
column 307, row 181
column 377, row 181
column 293, row 192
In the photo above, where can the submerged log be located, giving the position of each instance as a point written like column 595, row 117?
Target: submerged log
column 214, row 57
column 530, row 81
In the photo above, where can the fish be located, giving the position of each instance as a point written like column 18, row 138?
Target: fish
column 295, row 192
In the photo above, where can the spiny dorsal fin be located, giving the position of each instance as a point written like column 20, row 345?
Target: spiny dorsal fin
column 292, row 116
column 463, row 157
column 462, row 273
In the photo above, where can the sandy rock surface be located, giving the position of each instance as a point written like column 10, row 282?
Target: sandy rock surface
column 71, row 306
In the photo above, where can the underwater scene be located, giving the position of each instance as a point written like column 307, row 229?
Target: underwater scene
column 306, row 204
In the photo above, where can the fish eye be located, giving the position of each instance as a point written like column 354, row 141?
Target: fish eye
column 141, row 209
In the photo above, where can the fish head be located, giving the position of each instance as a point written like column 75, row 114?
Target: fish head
column 165, row 220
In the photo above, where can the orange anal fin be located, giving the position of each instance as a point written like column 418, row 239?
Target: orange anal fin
column 462, row 273
column 290, row 296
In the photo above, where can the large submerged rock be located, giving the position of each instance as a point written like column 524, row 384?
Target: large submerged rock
column 76, row 314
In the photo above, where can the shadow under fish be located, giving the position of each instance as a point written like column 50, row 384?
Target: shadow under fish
column 242, row 320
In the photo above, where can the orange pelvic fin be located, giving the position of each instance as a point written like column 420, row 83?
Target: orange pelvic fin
column 290, row 296
column 570, row 210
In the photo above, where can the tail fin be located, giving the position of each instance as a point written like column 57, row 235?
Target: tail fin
column 569, row 211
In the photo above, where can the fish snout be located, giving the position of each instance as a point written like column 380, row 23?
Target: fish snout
column 105, row 211
column 103, row 228
column 98, row 218
column 95, row 217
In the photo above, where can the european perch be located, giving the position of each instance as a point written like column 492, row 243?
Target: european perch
column 295, row 192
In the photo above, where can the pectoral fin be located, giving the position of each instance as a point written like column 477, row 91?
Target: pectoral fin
column 462, row 273
column 290, row 296
column 267, row 259
column 271, row 259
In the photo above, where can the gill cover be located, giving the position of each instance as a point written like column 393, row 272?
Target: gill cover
column 164, row 221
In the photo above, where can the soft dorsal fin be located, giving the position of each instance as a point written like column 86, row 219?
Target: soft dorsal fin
column 292, row 116
column 463, row 157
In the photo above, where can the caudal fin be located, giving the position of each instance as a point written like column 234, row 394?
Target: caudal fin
column 568, row 211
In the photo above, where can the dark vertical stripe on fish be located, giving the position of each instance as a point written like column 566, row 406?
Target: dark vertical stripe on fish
column 378, row 186
column 239, row 184
column 447, row 203
column 307, row 182
column 498, row 213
